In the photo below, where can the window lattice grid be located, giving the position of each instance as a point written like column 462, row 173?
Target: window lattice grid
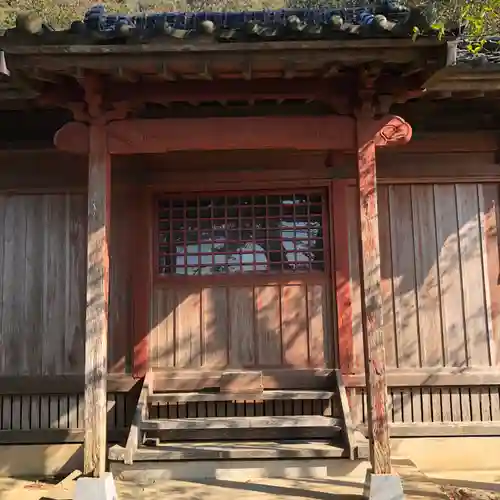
column 213, row 235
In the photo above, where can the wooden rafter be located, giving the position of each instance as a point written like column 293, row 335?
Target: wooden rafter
column 204, row 89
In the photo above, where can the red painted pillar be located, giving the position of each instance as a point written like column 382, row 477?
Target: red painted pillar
column 342, row 275
column 390, row 131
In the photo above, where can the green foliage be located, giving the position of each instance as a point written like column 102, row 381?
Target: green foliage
column 482, row 19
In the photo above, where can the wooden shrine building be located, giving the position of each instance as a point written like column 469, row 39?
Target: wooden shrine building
column 246, row 227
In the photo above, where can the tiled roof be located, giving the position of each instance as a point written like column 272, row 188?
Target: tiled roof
column 385, row 18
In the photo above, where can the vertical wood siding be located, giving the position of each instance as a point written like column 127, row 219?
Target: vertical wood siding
column 434, row 404
column 42, row 305
column 43, row 282
column 42, row 270
column 270, row 408
column 121, row 317
column 260, row 326
column 439, row 271
column 29, row 412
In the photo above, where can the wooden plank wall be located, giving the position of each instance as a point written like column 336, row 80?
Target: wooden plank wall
column 42, row 262
column 42, row 306
column 440, row 273
column 42, row 285
column 261, row 326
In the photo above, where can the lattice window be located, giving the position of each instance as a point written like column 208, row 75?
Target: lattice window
column 214, row 235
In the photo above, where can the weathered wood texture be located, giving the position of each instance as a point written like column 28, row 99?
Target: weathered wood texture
column 97, row 306
column 434, row 404
column 439, row 266
column 247, row 408
column 240, row 327
column 367, row 241
column 121, row 311
column 342, row 280
column 162, row 172
column 128, row 137
column 42, row 285
column 40, row 412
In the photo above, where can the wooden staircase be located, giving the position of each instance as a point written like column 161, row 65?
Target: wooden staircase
column 240, row 421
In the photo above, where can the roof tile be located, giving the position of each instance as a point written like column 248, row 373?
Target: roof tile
column 383, row 18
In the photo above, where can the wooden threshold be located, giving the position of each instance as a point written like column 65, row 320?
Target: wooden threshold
column 262, row 450
column 191, row 397
column 430, row 377
column 53, row 436
column 441, row 429
column 60, row 384
column 281, row 380
column 286, row 379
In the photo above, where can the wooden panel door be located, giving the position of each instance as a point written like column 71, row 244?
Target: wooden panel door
column 241, row 284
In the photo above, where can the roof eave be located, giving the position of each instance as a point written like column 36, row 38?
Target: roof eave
column 466, row 78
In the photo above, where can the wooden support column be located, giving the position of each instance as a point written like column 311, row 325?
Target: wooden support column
column 390, row 131
column 142, row 278
column 342, row 276
column 96, row 324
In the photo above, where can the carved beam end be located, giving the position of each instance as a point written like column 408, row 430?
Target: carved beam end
column 395, row 132
column 72, row 137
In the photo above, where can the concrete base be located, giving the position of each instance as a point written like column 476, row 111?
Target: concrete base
column 429, row 454
column 95, row 488
column 383, row 487
column 238, row 470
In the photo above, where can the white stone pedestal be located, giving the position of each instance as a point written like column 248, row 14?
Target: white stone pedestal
column 95, row 488
column 383, row 487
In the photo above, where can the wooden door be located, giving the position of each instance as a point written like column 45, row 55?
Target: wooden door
column 242, row 283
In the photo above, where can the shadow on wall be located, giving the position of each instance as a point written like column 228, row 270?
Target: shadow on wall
column 439, row 267
column 425, row 272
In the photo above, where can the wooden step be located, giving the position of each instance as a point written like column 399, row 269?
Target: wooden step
column 249, row 450
column 246, row 428
column 174, row 424
column 191, row 397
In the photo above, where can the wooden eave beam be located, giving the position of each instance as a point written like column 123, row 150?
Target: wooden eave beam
column 307, row 133
column 363, row 49
column 457, row 79
column 188, row 60
column 486, row 84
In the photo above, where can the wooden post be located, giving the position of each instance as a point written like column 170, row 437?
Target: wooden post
column 142, row 273
column 390, row 131
column 96, row 325
column 371, row 308
column 342, row 279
